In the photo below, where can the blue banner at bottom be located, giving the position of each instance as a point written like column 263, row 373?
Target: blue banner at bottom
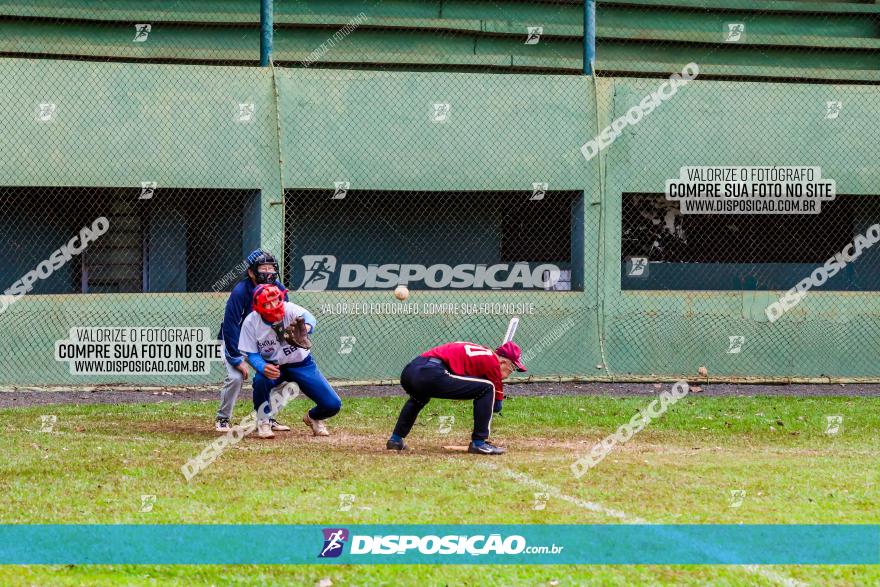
column 440, row 544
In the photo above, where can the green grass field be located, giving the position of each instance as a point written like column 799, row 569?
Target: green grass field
column 100, row 459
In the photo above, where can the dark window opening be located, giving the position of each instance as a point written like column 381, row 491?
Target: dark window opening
column 159, row 240
column 662, row 249
column 380, row 228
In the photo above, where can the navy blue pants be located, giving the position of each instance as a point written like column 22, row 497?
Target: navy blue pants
column 310, row 380
column 424, row 379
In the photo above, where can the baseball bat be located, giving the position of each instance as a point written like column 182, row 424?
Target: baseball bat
column 511, row 329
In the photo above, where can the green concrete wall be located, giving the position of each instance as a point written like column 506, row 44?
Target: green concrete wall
column 176, row 125
column 814, row 39
column 737, row 123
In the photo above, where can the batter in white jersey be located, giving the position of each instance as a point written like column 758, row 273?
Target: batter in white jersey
column 275, row 361
column 258, row 336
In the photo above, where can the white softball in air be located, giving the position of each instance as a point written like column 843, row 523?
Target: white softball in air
column 401, row 292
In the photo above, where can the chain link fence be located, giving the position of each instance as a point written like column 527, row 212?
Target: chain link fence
column 459, row 150
column 780, row 86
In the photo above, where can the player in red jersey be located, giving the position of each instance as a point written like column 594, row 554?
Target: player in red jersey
column 458, row 370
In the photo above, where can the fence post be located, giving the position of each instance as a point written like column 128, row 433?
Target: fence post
column 589, row 36
column 265, row 32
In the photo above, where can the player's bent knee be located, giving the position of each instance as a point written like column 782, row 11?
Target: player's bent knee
column 332, row 405
column 262, row 382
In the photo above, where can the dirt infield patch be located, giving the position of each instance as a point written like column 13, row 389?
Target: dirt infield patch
column 109, row 395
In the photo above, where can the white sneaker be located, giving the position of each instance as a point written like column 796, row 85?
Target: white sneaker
column 264, row 430
column 317, row 426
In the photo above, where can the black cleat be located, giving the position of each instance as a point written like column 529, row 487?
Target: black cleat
column 394, row 445
column 278, row 426
column 486, row 449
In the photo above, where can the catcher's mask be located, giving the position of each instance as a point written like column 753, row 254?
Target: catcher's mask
column 258, row 258
column 268, row 302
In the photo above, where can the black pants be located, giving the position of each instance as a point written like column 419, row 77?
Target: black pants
column 425, row 379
